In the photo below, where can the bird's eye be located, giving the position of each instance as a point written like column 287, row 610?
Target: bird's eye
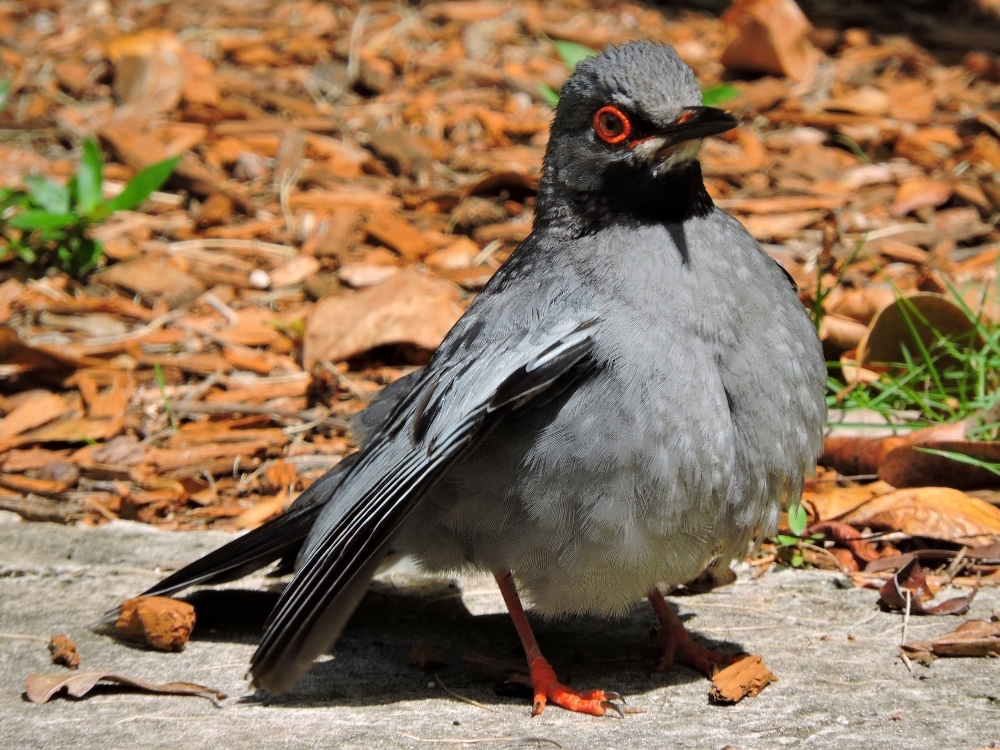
column 611, row 125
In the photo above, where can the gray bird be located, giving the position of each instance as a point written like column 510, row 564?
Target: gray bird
column 634, row 394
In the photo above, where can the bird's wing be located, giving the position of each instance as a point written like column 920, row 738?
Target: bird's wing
column 450, row 409
column 282, row 537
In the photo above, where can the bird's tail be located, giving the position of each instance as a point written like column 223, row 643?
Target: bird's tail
column 280, row 539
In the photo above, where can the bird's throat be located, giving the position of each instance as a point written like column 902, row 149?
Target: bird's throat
column 625, row 195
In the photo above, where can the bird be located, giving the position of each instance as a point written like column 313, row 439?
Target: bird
column 634, row 395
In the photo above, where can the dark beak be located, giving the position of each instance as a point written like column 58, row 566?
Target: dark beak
column 699, row 122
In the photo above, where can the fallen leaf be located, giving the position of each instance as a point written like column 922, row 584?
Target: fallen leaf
column 769, row 36
column 929, row 314
column 833, row 502
column 911, row 578
column 153, row 278
column 932, row 512
column 64, row 651
column 160, row 622
column 747, row 677
column 41, row 687
column 977, row 638
column 294, row 272
column 253, row 517
column 846, row 535
column 400, row 235
column 909, row 466
column 920, row 192
column 410, row 308
column 33, row 412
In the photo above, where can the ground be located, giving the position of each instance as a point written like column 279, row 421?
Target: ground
column 841, row 683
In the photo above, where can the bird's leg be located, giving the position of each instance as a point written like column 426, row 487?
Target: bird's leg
column 676, row 644
column 543, row 679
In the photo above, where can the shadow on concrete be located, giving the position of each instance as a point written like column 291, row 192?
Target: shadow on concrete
column 371, row 663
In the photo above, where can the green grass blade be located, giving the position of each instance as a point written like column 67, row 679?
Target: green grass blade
column 993, row 468
column 48, row 194
column 142, row 185
column 30, row 220
column 572, row 53
column 89, row 177
column 549, row 94
column 718, row 94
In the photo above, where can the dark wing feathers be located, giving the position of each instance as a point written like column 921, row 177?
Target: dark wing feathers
column 450, row 409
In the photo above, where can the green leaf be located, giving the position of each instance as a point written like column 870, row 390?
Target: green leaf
column 48, row 194
column 89, row 177
column 718, row 94
column 572, row 53
column 142, row 185
column 4, row 93
column 42, row 220
column 84, row 256
column 786, row 541
column 549, row 94
column 797, row 519
column 797, row 560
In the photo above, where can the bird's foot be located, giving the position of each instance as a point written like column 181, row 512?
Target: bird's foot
column 675, row 644
column 548, row 689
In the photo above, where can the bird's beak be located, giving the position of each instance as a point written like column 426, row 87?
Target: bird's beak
column 697, row 123
column 677, row 143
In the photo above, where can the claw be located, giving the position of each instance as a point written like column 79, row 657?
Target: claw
column 609, row 706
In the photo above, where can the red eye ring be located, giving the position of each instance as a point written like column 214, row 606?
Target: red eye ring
column 611, row 125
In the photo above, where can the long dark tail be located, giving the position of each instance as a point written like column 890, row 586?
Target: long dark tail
column 280, row 539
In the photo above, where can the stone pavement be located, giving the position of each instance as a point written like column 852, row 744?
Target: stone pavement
column 834, row 691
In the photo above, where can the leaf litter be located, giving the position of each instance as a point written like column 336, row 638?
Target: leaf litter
column 348, row 180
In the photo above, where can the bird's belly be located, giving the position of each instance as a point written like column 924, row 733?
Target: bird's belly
column 591, row 508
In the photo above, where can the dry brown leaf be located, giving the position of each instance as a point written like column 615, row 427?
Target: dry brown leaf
column 910, row 578
column 32, row 412
column 976, row 638
column 253, row 517
column 890, row 330
column 833, row 502
column 294, row 272
column 908, row 466
column 769, row 36
column 920, row 192
column 40, row 688
column 933, row 512
column 149, row 73
column 160, row 622
column 780, row 226
column 411, row 308
column 154, row 278
column 747, row 677
column 64, row 652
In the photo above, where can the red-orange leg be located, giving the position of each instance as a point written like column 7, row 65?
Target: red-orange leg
column 543, row 679
column 676, row 644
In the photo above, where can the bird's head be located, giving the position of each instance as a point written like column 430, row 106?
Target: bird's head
column 628, row 120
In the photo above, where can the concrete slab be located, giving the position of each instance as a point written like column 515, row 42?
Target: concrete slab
column 833, row 692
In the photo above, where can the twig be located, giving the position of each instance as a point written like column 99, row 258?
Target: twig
column 906, row 616
column 354, row 46
column 285, row 252
column 461, row 697
column 347, row 382
column 953, row 567
column 480, row 740
column 222, row 307
column 22, row 637
column 232, row 408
